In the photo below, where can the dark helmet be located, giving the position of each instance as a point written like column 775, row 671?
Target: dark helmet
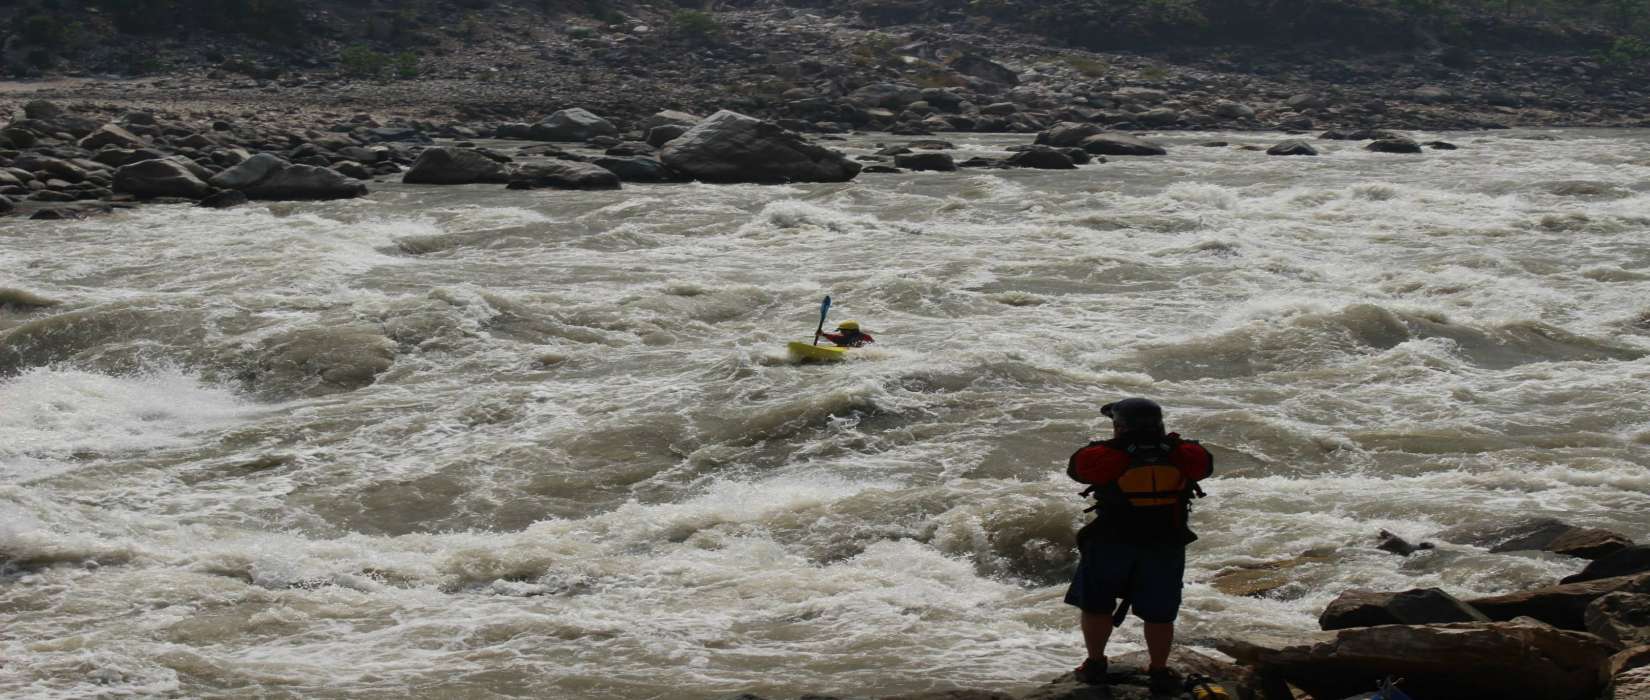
column 1134, row 414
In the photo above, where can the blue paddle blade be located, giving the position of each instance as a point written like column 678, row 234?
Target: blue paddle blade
column 824, row 308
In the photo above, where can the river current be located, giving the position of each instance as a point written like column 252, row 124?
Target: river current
column 586, row 468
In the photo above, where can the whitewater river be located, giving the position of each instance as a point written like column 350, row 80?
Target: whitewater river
column 586, row 468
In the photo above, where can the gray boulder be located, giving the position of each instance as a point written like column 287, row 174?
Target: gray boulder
column 453, row 166
column 249, row 172
column 731, row 147
column 159, row 177
column 563, row 174
column 637, row 168
column 1113, row 144
column 306, row 182
column 1068, row 134
column 224, row 199
column 6, row 205
column 1535, row 534
column 111, row 135
column 1563, row 606
column 1161, row 116
column 1293, row 147
column 574, row 124
column 1227, row 109
column 669, row 116
column 886, row 95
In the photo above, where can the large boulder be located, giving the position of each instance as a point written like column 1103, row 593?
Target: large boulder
column 1539, row 534
column 1620, row 617
column 1360, row 608
column 669, row 116
column 1043, row 158
column 249, row 172
column 731, row 147
column 1161, row 116
column 51, row 167
column 976, row 66
column 637, row 168
column 925, row 161
column 1292, row 147
column 5, row 204
column 159, row 177
column 887, row 95
column 111, row 135
column 1461, row 661
column 1629, row 674
column 1227, row 109
column 1624, row 562
column 563, row 174
column 453, row 166
column 1563, row 606
column 1113, row 144
column 1066, row 134
column 306, row 182
column 574, row 124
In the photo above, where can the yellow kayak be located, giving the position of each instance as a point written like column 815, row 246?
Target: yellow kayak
column 821, row 353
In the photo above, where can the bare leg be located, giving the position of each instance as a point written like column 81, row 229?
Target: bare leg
column 1159, row 637
column 1096, row 632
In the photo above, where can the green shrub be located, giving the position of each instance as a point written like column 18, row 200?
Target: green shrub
column 363, row 62
column 1089, row 67
column 1625, row 51
column 695, row 26
column 406, row 65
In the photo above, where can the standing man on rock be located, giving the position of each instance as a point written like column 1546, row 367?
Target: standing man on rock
column 1135, row 549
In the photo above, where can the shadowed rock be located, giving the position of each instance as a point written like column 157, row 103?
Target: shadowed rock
column 1460, row 661
column 1294, row 147
column 1563, row 606
column 1541, row 534
column 1623, row 618
column 1358, row 608
column 1623, row 562
column 1110, row 144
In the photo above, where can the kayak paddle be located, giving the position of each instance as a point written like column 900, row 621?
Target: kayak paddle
column 824, row 308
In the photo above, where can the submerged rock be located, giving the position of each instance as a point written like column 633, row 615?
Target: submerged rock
column 563, row 174
column 925, row 161
column 319, row 361
column 637, row 169
column 731, row 147
column 1394, row 146
column 1294, row 147
column 1043, row 158
column 1110, row 144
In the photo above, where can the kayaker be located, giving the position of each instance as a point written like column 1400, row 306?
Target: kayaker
column 848, row 335
column 1134, row 550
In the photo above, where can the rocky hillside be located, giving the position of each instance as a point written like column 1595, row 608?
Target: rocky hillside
column 1434, row 63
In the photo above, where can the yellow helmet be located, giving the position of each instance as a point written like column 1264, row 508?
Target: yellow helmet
column 848, row 326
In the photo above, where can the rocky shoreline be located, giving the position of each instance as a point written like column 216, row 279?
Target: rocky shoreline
column 1586, row 637
column 68, row 162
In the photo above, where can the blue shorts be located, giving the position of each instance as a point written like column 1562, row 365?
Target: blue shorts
column 1149, row 575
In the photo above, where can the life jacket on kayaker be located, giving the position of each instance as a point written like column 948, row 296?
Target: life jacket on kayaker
column 849, row 335
column 1143, row 479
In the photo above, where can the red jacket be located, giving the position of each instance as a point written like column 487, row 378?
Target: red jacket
column 1103, row 463
column 850, row 339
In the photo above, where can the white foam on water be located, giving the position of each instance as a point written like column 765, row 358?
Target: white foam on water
column 56, row 416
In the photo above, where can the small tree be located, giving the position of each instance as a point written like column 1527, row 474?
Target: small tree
column 363, row 62
column 406, row 65
column 695, row 26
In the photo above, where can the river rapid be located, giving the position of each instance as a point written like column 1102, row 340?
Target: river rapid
column 586, row 468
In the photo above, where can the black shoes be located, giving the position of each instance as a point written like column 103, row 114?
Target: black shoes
column 1092, row 672
column 1166, row 682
